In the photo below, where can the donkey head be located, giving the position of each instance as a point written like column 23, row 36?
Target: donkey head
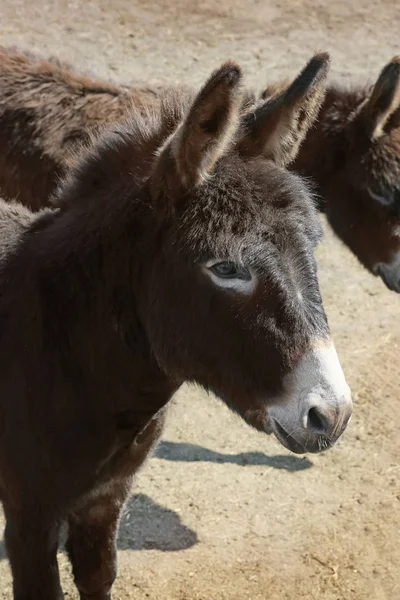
column 229, row 293
column 367, row 212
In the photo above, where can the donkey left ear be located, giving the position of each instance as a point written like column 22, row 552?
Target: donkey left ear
column 204, row 135
column 382, row 110
column 276, row 126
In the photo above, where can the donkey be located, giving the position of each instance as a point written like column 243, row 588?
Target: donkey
column 46, row 109
column 180, row 249
column 354, row 156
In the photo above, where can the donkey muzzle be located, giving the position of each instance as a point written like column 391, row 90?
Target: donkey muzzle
column 315, row 407
column 390, row 274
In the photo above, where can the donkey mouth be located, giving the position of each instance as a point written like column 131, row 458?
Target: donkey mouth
column 286, row 439
column 393, row 284
column 314, row 444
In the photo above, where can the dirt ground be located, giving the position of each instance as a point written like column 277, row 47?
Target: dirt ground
column 222, row 512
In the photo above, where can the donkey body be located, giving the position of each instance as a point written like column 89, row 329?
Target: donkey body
column 45, row 111
column 180, row 249
column 353, row 153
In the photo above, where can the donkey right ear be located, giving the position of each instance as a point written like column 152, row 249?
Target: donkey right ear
column 276, row 126
column 206, row 131
column 384, row 101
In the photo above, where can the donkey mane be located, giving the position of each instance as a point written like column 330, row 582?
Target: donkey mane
column 110, row 152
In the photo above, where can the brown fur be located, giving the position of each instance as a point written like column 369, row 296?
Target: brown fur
column 107, row 306
column 46, row 110
column 354, row 156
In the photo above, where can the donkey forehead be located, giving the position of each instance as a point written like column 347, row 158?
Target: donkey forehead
column 380, row 164
column 248, row 208
column 383, row 153
column 367, row 160
column 251, row 195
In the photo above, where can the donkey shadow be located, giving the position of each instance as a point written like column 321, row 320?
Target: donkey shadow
column 182, row 452
column 144, row 525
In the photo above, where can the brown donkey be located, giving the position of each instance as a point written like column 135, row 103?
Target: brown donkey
column 353, row 153
column 180, row 250
column 354, row 156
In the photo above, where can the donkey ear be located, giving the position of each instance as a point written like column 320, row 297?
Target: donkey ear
column 384, row 102
column 276, row 127
column 207, row 129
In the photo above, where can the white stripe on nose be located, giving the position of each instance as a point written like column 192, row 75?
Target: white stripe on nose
column 316, row 401
column 319, row 372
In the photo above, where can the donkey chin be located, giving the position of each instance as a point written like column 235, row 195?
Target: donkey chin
column 315, row 406
column 390, row 273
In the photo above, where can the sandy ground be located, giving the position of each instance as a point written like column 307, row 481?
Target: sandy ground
column 220, row 511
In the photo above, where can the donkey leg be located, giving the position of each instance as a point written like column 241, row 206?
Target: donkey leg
column 31, row 542
column 93, row 528
column 91, row 543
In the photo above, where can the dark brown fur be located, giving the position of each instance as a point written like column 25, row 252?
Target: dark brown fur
column 106, row 308
column 353, row 165
column 354, row 156
column 46, row 110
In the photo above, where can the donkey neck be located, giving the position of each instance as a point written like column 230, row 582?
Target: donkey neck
column 73, row 284
column 76, row 278
column 324, row 150
column 96, row 286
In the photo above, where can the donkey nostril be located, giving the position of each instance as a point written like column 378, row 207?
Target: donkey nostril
column 318, row 422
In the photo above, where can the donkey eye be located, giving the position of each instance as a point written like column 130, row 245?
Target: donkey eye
column 228, row 270
column 385, row 199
